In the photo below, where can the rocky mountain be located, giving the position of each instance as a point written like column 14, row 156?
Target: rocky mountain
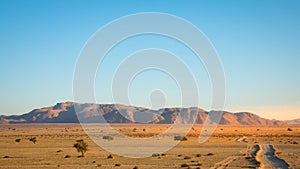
column 295, row 121
column 115, row 113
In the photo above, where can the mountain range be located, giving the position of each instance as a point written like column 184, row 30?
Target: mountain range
column 116, row 113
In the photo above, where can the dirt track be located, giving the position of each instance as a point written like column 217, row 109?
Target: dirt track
column 267, row 160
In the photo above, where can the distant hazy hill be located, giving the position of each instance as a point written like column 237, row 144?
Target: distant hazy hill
column 90, row 113
column 296, row 121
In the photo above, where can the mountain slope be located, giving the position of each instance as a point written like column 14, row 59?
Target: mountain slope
column 295, row 121
column 114, row 113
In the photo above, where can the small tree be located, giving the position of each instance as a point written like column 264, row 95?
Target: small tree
column 81, row 147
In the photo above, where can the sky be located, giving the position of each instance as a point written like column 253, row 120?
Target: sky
column 257, row 43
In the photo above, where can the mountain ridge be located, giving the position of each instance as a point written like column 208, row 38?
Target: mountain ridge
column 294, row 121
column 117, row 113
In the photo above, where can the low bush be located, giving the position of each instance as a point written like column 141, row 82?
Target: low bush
column 209, row 154
column 67, row 156
column 187, row 157
column 155, row 155
column 184, row 165
column 180, row 138
column 107, row 138
column 33, row 139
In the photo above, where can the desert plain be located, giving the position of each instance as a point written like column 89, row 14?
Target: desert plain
column 228, row 147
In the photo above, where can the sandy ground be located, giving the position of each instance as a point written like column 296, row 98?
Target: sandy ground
column 230, row 147
column 267, row 159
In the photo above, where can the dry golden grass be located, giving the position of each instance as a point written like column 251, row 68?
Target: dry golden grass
column 229, row 146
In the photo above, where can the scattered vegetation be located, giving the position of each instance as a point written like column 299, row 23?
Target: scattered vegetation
column 187, row 157
column 295, row 142
column 180, row 138
column 184, row 165
column 210, row 154
column 67, row 156
column 33, row 139
column 155, row 155
column 81, row 146
column 108, row 138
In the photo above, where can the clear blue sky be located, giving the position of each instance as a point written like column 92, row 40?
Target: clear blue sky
column 257, row 41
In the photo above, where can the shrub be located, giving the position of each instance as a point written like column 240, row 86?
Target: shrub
column 110, row 156
column 155, row 155
column 180, row 138
column 187, row 157
column 107, row 138
column 135, row 167
column 184, row 165
column 58, row 151
column 18, row 140
column 198, row 155
column 33, row 139
column 67, row 156
column 209, row 154
column 117, row 165
column 81, row 147
column 295, row 142
column 289, row 129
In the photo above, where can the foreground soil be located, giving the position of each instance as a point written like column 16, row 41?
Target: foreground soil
column 228, row 147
